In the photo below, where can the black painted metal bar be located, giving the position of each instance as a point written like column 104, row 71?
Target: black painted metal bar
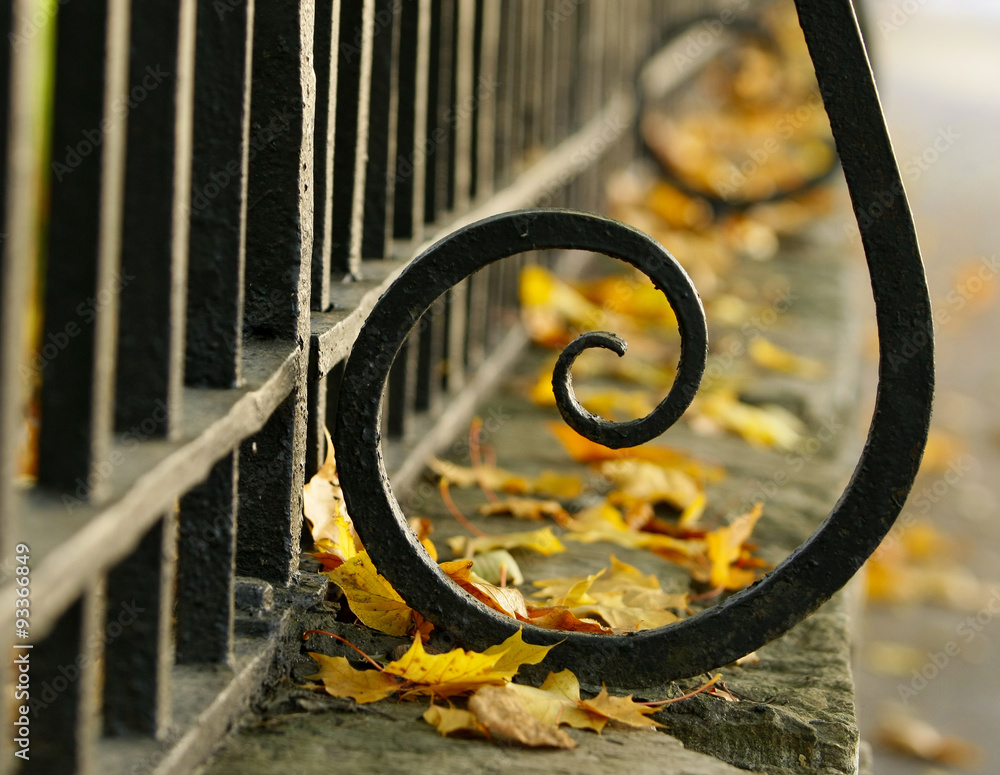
column 82, row 278
column 508, row 94
column 411, row 120
column 150, row 365
column 439, row 184
column 354, row 52
column 270, row 496
column 325, row 43
column 279, row 220
column 400, row 398
column 220, row 154
column 315, row 424
column 206, row 564
column 380, row 177
column 431, row 350
column 139, row 652
column 463, row 105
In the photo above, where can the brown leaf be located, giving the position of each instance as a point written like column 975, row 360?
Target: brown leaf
column 340, row 679
column 449, row 720
column 501, row 711
column 621, row 710
column 527, row 508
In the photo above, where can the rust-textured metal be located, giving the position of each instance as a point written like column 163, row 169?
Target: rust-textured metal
column 856, row 523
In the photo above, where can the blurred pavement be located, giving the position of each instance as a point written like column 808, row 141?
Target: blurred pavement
column 938, row 69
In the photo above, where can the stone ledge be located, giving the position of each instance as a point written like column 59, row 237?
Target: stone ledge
column 795, row 712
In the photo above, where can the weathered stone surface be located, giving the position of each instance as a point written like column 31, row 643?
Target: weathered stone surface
column 795, row 708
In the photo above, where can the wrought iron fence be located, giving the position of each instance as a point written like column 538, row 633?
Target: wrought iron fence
column 211, row 196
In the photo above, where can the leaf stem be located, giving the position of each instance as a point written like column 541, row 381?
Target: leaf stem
column 715, row 679
column 346, row 642
column 454, row 510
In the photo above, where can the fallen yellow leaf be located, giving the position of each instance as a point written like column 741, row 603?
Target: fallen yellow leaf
column 371, row 597
column 526, row 508
column 340, row 679
column 765, row 426
column 324, row 509
column 621, row 710
column 556, row 702
column 543, row 541
column 765, row 353
column 449, row 720
column 459, row 671
column 723, row 548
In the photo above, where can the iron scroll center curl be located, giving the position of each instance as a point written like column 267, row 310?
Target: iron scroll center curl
column 857, row 522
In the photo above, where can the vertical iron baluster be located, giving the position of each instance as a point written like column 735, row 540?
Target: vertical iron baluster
column 82, row 276
column 150, row 365
column 278, row 274
column 354, row 67
column 66, row 710
column 380, row 175
column 411, row 124
column 325, row 44
column 205, row 566
column 140, row 655
column 220, row 155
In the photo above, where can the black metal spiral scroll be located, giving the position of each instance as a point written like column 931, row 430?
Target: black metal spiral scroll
column 856, row 524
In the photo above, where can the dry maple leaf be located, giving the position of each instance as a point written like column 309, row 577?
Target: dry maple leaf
column 449, row 720
column 622, row 597
column 557, row 701
column 459, row 671
column 724, row 546
column 341, row 679
column 646, row 482
column 506, row 600
column 486, row 477
column 603, row 522
column 498, row 567
column 621, row 710
column 324, row 508
column 543, row 541
column 371, row 597
column 501, row 711
column 765, row 353
column 764, row 426
column 584, row 450
column 561, row 618
column 527, row 508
